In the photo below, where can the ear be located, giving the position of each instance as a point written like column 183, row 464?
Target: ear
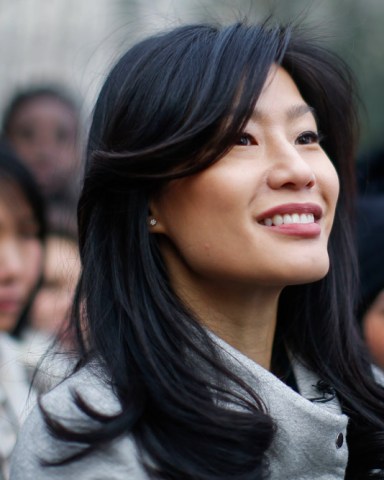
column 154, row 220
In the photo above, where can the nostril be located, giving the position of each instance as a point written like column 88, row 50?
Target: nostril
column 312, row 181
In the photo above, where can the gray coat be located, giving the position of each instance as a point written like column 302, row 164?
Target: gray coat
column 309, row 443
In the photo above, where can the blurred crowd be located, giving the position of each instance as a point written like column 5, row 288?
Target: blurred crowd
column 40, row 177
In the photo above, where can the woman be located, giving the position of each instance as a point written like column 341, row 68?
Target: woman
column 50, row 311
column 42, row 125
column 53, row 302
column 214, row 342
column 22, row 230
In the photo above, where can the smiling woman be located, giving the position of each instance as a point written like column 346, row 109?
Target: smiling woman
column 214, row 313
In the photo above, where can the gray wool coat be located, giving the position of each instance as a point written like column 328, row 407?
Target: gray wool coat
column 310, row 442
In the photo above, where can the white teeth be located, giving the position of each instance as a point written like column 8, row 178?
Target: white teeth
column 287, row 219
column 277, row 220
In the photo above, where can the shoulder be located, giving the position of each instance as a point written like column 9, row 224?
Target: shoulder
column 91, row 384
column 37, row 446
column 10, row 353
column 14, row 384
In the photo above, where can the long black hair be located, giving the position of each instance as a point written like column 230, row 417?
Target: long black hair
column 13, row 171
column 174, row 104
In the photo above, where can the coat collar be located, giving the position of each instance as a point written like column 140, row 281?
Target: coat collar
column 310, row 440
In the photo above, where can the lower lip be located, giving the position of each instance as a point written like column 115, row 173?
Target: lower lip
column 9, row 307
column 303, row 230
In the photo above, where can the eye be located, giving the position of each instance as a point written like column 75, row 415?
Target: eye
column 62, row 135
column 246, row 140
column 26, row 133
column 308, row 138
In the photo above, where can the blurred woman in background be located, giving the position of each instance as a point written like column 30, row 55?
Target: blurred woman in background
column 22, row 232
column 50, row 311
column 42, row 124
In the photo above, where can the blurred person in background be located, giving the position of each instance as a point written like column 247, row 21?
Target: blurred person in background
column 371, row 263
column 370, row 173
column 370, row 243
column 22, row 232
column 51, row 309
column 42, row 124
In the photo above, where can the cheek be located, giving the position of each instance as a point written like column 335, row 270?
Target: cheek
column 329, row 185
column 374, row 335
column 33, row 255
column 203, row 199
column 329, row 180
column 48, row 310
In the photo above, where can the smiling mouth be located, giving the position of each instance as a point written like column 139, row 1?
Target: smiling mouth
column 291, row 214
column 289, row 219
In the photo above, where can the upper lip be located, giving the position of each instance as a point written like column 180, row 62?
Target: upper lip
column 290, row 208
column 9, row 298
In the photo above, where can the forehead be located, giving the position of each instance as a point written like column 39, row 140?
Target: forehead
column 43, row 107
column 62, row 256
column 280, row 94
column 13, row 203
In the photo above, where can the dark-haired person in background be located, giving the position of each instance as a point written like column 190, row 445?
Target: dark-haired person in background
column 22, row 232
column 50, row 311
column 371, row 267
column 214, row 312
column 43, row 126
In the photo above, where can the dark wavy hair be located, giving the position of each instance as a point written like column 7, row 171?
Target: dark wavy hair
column 173, row 105
column 13, row 171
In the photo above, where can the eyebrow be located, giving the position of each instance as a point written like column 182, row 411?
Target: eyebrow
column 294, row 112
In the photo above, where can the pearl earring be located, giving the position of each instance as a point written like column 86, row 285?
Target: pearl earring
column 152, row 222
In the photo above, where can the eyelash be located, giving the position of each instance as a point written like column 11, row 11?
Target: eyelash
column 248, row 138
column 314, row 137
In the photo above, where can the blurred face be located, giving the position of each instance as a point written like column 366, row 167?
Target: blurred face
column 54, row 299
column 261, row 216
column 20, row 255
column 43, row 132
column 373, row 328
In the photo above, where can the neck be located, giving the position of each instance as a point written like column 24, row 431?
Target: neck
column 242, row 316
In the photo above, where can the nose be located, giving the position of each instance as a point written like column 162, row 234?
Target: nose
column 45, row 153
column 11, row 262
column 290, row 169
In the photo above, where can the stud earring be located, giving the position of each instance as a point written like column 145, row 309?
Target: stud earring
column 152, row 222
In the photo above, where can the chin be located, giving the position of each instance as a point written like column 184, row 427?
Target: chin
column 308, row 273
column 7, row 324
column 311, row 277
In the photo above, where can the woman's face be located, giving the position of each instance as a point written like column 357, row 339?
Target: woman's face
column 54, row 299
column 20, row 254
column 262, row 215
column 43, row 132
